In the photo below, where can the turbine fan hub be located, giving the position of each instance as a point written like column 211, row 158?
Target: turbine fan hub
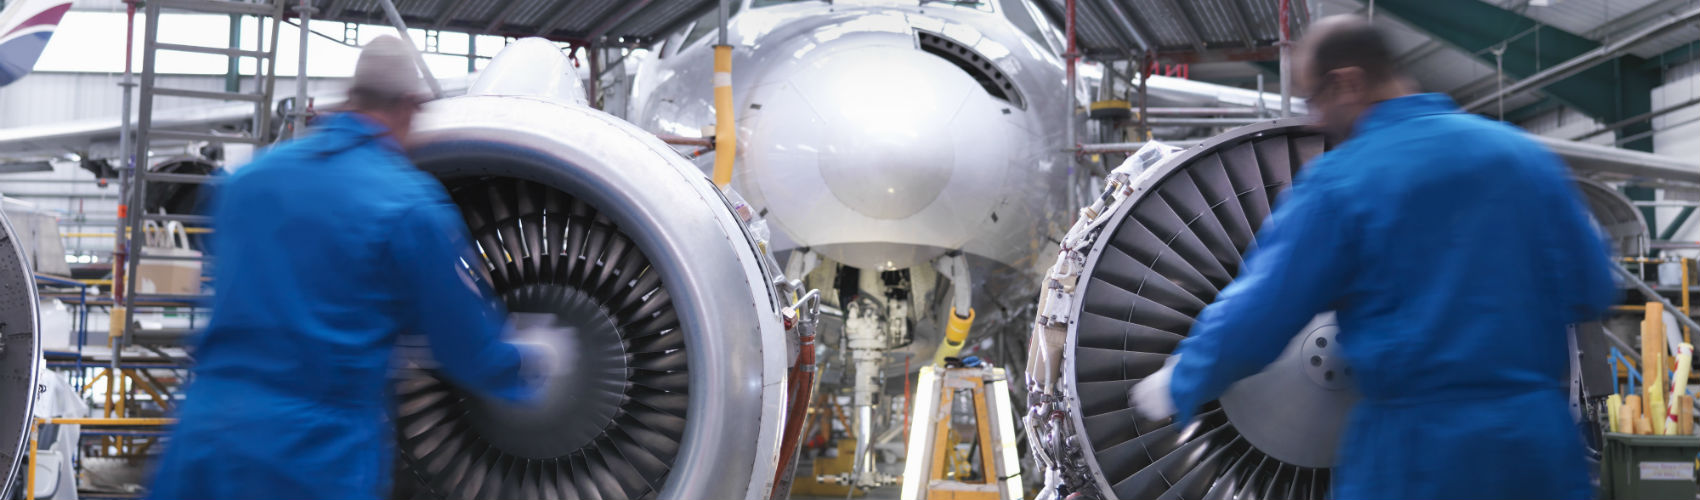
column 577, row 404
column 1295, row 409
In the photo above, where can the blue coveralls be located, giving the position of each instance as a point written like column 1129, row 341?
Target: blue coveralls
column 1455, row 250
column 328, row 248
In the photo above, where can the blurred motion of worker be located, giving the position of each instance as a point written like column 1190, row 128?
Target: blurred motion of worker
column 1454, row 250
column 329, row 247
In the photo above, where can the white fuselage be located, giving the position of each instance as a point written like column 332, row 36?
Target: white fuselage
column 865, row 132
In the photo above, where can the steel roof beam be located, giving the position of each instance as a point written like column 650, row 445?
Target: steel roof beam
column 1644, row 14
column 502, row 16
column 448, row 14
column 1417, row 54
column 1237, row 13
column 1139, row 34
column 1187, row 25
column 1128, row 32
column 1604, row 92
column 556, row 18
column 1587, row 60
column 613, row 21
column 703, row 8
column 336, row 9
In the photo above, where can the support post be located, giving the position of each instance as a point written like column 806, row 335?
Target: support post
column 725, row 127
column 233, row 70
column 595, row 86
column 304, row 14
column 1286, row 61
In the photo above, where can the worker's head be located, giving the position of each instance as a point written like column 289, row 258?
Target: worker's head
column 387, row 86
column 1345, row 66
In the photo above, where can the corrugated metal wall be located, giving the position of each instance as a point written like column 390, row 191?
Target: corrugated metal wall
column 1679, row 132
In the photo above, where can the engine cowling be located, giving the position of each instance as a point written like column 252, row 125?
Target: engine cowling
column 20, row 350
column 677, row 378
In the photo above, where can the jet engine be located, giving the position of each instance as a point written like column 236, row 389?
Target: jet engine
column 1135, row 272
column 678, row 348
column 20, row 348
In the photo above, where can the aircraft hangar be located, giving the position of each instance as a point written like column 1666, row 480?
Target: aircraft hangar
column 884, row 249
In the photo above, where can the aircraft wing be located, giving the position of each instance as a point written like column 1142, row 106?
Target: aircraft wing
column 1618, row 162
column 98, row 137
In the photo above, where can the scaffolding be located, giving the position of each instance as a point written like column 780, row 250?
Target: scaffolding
column 124, row 424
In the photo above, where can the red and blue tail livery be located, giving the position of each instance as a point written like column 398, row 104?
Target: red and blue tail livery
column 25, row 27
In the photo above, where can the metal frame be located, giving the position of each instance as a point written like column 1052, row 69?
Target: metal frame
column 136, row 178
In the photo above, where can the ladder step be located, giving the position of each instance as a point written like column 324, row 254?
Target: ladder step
column 181, row 178
column 162, row 336
column 168, row 297
column 193, row 136
column 218, row 6
column 146, row 256
column 186, row 219
column 204, row 94
column 211, row 50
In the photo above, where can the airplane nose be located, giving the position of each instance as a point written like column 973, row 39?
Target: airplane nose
column 878, row 122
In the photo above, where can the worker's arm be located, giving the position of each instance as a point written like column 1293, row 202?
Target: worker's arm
column 463, row 327
column 1298, row 268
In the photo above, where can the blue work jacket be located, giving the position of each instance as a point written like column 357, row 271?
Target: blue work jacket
column 1455, row 250
column 329, row 247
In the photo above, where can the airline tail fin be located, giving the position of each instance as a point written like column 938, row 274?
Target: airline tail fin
column 25, row 27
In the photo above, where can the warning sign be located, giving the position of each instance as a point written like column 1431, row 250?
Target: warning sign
column 1673, row 471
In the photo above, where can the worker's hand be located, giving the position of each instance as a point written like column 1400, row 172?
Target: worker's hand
column 539, row 362
column 545, row 349
column 1150, row 397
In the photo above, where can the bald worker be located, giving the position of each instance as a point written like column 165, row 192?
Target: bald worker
column 329, row 248
column 1454, row 250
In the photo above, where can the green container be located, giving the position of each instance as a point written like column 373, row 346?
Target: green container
column 1648, row 467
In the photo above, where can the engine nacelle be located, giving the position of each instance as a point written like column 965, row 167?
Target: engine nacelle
column 678, row 372
column 20, row 350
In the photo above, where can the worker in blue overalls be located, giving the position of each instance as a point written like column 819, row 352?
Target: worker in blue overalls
column 1454, row 250
column 329, row 247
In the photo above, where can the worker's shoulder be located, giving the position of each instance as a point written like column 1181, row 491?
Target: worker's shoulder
column 369, row 171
